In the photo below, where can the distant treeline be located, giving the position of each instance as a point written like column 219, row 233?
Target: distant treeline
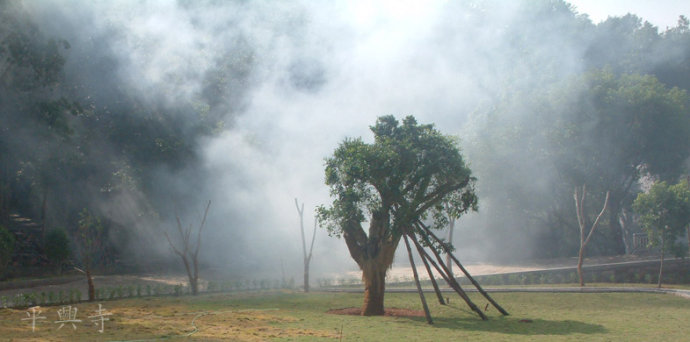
column 78, row 137
column 616, row 122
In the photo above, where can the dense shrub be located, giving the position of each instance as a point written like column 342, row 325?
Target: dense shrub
column 6, row 248
column 56, row 246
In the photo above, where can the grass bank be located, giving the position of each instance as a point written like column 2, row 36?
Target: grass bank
column 287, row 316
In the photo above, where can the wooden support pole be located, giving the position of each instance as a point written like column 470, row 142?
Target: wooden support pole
column 467, row 274
column 426, row 260
column 416, row 279
column 455, row 285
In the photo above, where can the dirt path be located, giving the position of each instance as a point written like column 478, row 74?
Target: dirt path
column 404, row 271
column 76, row 281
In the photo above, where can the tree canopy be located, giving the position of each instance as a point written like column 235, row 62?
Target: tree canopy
column 664, row 213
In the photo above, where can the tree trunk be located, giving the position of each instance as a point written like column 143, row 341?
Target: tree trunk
column 625, row 220
column 661, row 263
column 89, row 280
column 306, row 274
column 579, row 266
column 374, row 278
column 615, row 227
column 192, row 279
column 44, row 204
column 195, row 287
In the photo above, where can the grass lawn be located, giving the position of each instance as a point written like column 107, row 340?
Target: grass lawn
column 287, row 316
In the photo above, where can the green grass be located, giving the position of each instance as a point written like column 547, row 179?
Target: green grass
column 286, row 316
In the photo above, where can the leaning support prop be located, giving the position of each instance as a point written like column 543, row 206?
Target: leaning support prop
column 467, row 274
column 454, row 284
column 427, row 314
column 431, row 277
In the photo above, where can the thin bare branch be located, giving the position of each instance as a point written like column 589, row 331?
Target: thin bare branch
column 183, row 234
column 313, row 237
column 300, row 211
column 171, row 245
column 201, row 227
column 596, row 222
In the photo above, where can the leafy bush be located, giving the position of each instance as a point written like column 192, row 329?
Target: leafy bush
column 648, row 278
column 56, row 246
column 212, row 286
column 6, row 248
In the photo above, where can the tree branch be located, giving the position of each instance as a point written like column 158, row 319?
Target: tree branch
column 313, row 237
column 301, row 227
column 201, row 227
column 596, row 222
column 172, row 246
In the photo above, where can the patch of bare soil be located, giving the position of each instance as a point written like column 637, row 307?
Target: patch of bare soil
column 395, row 312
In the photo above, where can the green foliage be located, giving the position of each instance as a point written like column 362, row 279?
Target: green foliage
column 664, row 213
column 89, row 236
column 6, row 247
column 56, row 246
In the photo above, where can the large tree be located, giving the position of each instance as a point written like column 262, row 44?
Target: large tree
column 407, row 173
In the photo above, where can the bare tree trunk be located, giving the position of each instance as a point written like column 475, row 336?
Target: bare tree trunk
column 614, row 226
column 190, row 276
column 306, row 275
column 89, row 281
column 44, row 204
column 374, row 278
column 374, row 255
column 661, row 262
column 624, row 221
column 307, row 256
column 185, row 252
column 581, row 219
column 579, row 266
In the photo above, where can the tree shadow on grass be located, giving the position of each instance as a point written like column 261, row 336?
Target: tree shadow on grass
column 516, row 325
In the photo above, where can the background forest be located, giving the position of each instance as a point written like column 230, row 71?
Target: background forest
column 130, row 115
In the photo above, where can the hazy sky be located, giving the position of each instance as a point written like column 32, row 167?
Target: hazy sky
column 661, row 13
